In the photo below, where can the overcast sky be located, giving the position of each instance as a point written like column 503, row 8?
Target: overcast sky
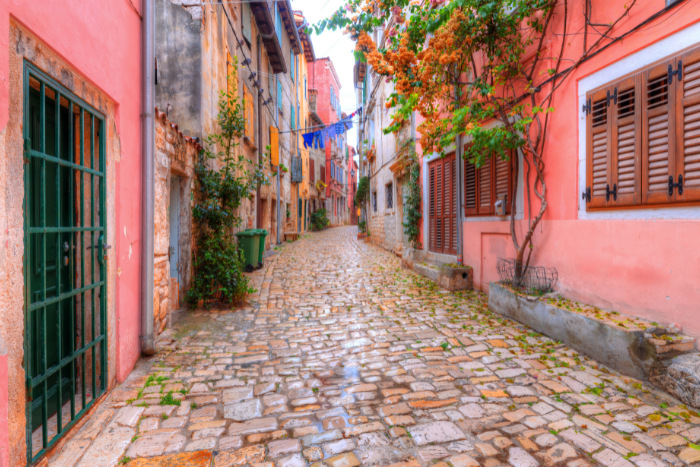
column 338, row 47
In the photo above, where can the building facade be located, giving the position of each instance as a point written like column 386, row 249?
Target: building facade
column 327, row 111
column 383, row 157
column 70, row 214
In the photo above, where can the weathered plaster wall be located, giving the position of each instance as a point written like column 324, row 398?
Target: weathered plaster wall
column 175, row 155
column 179, row 54
column 25, row 45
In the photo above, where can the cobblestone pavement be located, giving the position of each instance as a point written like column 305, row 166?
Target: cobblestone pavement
column 344, row 359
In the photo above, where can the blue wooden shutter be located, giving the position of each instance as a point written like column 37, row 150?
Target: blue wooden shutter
column 291, row 60
column 279, row 94
column 293, row 119
column 245, row 21
column 278, row 23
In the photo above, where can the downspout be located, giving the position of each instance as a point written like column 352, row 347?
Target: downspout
column 147, row 180
column 279, row 162
column 259, row 222
column 460, row 166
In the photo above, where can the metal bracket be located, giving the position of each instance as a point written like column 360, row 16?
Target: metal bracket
column 587, row 107
column 586, row 195
column 678, row 185
column 612, row 96
column 678, row 72
column 609, row 192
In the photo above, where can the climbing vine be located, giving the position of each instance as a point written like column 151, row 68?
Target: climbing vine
column 412, row 203
column 223, row 180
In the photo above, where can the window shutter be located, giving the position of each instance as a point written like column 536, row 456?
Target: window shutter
column 249, row 114
column 278, row 23
column 245, row 21
column 439, row 189
column 279, row 95
column 292, row 118
column 503, row 179
column 312, row 171
column 292, row 64
column 323, row 174
column 626, row 143
column 270, row 80
column 598, row 128
column 658, row 125
column 688, row 135
column 484, row 187
column 432, row 208
column 469, row 188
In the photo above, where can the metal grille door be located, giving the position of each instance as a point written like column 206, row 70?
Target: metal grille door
column 65, row 339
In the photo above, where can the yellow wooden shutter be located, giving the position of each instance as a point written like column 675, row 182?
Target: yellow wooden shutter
column 249, row 115
column 274, row 146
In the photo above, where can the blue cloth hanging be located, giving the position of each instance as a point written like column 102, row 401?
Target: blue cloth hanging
column 331, row 131
column 339, row 128
column 308, row 139
column 320, row 140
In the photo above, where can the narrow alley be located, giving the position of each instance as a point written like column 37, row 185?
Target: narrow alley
column 342, row 358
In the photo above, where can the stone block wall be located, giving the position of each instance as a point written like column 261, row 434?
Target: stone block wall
column 175, row 155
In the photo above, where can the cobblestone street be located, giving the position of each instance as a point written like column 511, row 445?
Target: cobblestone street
column 341, row 358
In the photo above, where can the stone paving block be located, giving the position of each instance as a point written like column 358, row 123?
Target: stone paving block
column 247, row 455
column 71, row 453
column 189, row 459
column 108, row 447
column 436, row 432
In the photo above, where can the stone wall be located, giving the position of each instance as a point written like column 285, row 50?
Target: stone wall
column 175, row 156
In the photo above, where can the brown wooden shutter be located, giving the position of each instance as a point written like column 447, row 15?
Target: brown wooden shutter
column 688, row 126
column 485, row 187
column 312, row 170
column 626, row 143
column 598, row 126
column 439, row 187
column 658, row 128
column 470, row 201
column 433, row 223
column 503, row 179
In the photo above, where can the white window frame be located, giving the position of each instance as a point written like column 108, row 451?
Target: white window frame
column 664, row 48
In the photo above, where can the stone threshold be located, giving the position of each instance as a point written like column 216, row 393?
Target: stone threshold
column 632, row 346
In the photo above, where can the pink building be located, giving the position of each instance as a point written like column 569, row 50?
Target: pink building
column 634, row 248
column 70, row 211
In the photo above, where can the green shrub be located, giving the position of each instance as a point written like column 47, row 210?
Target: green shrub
column 217, row 262
column 319, row 221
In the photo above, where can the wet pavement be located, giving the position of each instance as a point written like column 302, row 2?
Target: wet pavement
column 342, row 358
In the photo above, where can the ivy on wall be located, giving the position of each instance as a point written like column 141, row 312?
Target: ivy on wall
column 412, row 204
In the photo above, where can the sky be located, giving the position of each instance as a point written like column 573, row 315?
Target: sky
column 338, row 47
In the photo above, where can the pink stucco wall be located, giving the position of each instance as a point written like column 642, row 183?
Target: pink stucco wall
column 101, row 42
column 647, row 268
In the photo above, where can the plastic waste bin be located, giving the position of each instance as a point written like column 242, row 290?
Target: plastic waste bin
column 261, row 248
column 249, row 244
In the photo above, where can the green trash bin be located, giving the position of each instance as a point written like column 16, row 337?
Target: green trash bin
column 261, row 249
column 249, row 244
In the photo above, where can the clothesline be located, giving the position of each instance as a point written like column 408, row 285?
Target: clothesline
column 317, row 139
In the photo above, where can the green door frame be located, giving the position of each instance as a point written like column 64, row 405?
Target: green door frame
column 56, row 310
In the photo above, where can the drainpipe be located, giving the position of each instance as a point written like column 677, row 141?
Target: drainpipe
column 147, row 180
column 460, row 165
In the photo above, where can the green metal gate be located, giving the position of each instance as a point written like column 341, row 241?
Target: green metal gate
column 65, row 340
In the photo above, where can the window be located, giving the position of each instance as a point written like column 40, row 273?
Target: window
column 374, row 201
column 231, row 78
column 312, row 171
column 642, row 145
column 484, row 186
column 323, row 173
column 305, row 93
column 292, row 118
column 390, row 196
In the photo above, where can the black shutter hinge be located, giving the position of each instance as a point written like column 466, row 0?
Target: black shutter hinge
column 587, row 194
column 609, row 192
column 27, row 148
column 587, row 107
column 612, row 97
column 678, row 72
column 678, row 185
